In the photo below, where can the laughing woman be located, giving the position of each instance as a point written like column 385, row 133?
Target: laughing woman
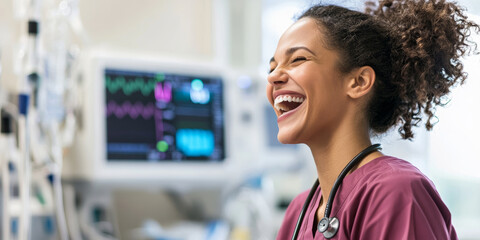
column 337, row 77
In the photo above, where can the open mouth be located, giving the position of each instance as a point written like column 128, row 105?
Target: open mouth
column 287, row 103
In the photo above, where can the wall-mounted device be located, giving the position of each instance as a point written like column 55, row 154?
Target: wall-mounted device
column 150, row 120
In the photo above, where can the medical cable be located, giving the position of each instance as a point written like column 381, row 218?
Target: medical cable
column 23, row 130
column 24, row 169
column 7, row 136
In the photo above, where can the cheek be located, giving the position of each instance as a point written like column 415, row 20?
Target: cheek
column 306, row 77
column 325, row 84
column 325, row 95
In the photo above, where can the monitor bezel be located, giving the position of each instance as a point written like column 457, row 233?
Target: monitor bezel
column 88, row 158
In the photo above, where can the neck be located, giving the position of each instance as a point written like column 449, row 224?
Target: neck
column 333, row 155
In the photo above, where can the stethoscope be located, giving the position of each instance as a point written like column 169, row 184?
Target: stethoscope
column 329, row 225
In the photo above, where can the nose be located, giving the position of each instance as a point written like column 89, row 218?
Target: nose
column 277, row 77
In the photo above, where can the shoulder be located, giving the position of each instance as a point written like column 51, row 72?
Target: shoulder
column 398, row 179
column 395, row 182
column 291, row 216
column 395, row 191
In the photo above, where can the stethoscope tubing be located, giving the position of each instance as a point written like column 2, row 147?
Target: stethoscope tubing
column 304, row 209
column 335, row 187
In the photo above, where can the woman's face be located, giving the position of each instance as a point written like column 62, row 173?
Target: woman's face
column 305, row 88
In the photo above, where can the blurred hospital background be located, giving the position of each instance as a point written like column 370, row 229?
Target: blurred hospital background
column 148, row 119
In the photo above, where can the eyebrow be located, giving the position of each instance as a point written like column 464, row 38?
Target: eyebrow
column 291, row 50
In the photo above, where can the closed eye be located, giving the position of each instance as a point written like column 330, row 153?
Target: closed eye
column 297, row 59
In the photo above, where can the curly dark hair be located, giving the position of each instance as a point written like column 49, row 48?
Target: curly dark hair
column 414, row 47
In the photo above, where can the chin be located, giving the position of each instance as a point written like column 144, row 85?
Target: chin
column 287, row 138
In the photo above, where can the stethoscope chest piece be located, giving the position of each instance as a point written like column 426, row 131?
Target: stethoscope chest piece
column 328, row 226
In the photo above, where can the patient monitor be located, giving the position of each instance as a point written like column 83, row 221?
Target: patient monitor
column 150, row 119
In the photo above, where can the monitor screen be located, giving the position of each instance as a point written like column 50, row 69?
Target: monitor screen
column 162, row 116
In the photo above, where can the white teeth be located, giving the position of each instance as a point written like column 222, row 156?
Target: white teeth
column 286, row 98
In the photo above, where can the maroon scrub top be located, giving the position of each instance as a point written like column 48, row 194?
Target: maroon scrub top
column 387, row 198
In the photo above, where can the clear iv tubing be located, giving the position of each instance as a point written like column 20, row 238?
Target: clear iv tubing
column 55, row 180
column 24, row 167
column 61, row 221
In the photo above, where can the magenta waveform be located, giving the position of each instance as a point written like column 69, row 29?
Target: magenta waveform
column 132, row 110
column 164, row 93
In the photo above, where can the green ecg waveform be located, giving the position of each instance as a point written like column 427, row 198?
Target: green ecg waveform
column 146, row 87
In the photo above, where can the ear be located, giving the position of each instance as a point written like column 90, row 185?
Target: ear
column 361, row 82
